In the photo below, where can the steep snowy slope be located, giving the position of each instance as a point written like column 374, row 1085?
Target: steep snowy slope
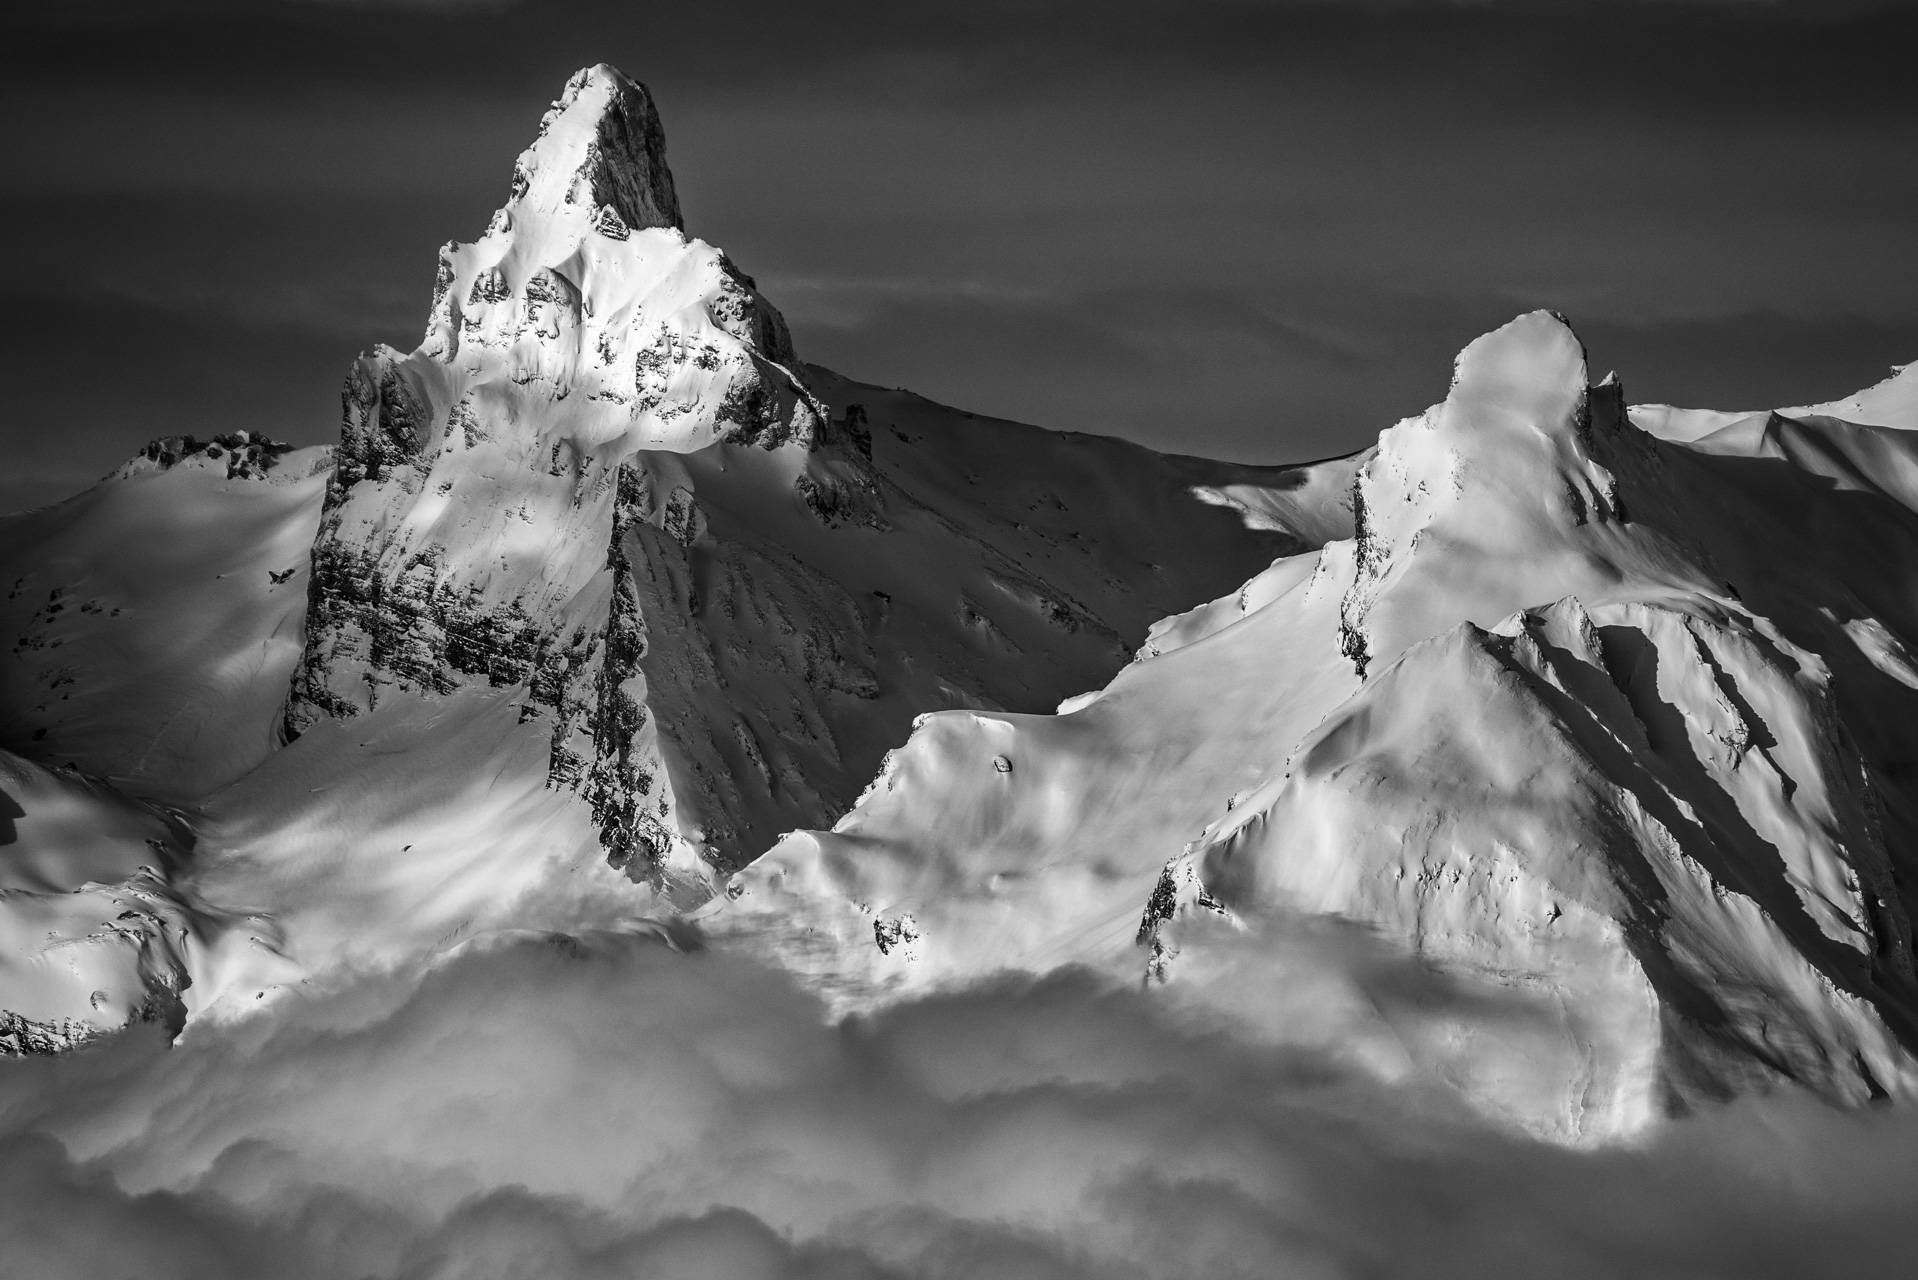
column 154, row 621
column 1890, row 403
column 150, row 624
column 1521, row 725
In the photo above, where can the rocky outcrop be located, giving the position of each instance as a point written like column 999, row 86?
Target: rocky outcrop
column 244, row 455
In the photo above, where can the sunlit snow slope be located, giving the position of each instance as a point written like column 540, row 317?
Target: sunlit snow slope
column 151, row 625
column 603, row 588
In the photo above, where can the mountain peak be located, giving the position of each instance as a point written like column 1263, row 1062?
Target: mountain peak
column 1519, row 484
column 488, row 484
column 600, row 146
column 1527, row 376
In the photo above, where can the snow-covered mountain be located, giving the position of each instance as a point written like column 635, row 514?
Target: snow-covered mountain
column 601, row 579
column 1581, row 712
column 609, row 606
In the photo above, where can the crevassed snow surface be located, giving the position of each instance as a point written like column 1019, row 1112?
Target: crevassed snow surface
column 647, row 805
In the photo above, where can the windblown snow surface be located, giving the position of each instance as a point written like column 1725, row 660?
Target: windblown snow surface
column 644, row 805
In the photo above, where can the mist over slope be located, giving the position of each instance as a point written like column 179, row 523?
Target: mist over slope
column 1544, row 771
column 613, row 1108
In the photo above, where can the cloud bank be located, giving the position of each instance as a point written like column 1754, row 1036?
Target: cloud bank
column 616, row 1107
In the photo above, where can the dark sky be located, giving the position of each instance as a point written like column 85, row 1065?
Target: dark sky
column 1252, row 230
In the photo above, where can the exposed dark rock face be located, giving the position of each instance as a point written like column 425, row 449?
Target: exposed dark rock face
column 618, row 783
column 22, row 1038
column 246, row 454
column 626, row 161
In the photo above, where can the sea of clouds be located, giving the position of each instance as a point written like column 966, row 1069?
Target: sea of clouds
column 626, row 1104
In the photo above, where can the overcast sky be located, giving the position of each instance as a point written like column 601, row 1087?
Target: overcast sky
column 1250, row 230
